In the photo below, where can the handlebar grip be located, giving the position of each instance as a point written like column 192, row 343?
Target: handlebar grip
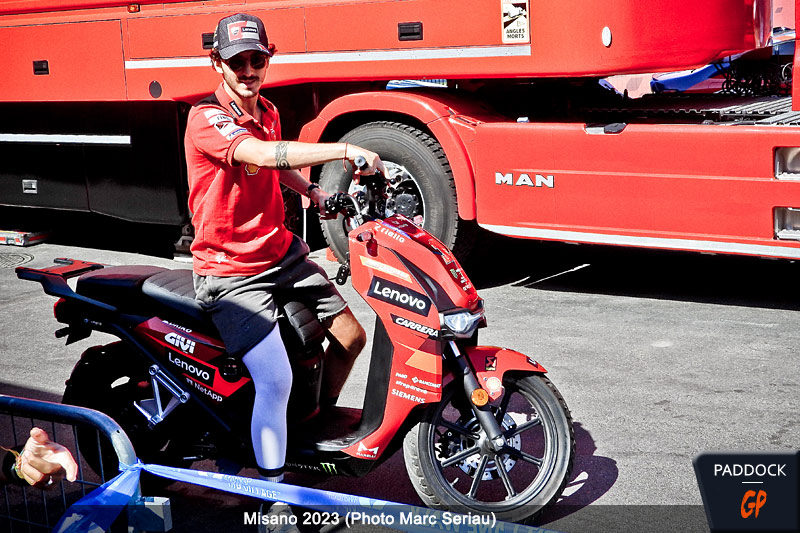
column 360, row 162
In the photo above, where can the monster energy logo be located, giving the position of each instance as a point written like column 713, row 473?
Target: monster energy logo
column 328, row 468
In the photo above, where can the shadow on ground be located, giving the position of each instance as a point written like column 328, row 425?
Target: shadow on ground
column 660, row 274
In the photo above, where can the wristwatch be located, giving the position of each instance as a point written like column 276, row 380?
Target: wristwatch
column 311, row 188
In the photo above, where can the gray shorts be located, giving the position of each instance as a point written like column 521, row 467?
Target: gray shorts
column 243, row 307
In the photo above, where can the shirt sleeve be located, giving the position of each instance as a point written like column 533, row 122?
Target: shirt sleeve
column 277, row 123
column 215, row 133
column 272, row 120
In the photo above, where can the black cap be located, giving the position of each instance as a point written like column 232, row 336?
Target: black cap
column 238, row 33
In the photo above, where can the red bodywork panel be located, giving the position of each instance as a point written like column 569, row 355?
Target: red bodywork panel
column 796, row 86
column 493, row 362
column 380, row 257
column 689, row 187
column 330, row 41
column 623, row 189
column 193, row 355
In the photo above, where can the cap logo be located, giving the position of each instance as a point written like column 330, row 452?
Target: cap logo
column 245, row 29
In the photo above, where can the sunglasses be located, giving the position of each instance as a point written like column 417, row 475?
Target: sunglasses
column 257, row 61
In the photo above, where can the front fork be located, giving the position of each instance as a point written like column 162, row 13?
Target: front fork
column 483, row 413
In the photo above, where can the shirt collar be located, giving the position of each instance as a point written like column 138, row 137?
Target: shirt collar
column 234, row 109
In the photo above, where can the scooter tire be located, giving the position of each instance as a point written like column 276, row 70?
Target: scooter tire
column 108, row 379
column 537, row 427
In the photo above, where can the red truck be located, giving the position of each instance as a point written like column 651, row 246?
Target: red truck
column 519, row 138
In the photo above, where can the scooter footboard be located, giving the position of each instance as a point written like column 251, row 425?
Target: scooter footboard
column 491, row 363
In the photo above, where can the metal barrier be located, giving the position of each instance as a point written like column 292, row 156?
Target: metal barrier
column 34, row 510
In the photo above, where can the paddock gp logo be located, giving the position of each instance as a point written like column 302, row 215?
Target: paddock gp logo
column 192, row 368
column 400, row 296
column 755, row 491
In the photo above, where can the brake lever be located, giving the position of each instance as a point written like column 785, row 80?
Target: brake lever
column 343, row 273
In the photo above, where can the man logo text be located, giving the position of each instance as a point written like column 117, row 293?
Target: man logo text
column 538, row 180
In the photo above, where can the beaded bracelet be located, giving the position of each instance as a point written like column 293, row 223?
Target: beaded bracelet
column 11, row 467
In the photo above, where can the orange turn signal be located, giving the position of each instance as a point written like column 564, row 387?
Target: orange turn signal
column 479, row 397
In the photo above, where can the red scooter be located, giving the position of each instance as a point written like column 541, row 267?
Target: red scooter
column 483, row 430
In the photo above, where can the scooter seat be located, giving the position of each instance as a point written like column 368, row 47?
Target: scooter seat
column 119, row 286
column 174, row 289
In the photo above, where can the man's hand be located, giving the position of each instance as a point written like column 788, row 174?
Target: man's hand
column 374, row 163
column 43, row 463
column 318, row 196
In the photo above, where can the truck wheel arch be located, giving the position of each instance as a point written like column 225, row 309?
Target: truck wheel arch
column 425, row 111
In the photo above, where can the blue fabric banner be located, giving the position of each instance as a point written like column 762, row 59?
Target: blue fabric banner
column 96, row 511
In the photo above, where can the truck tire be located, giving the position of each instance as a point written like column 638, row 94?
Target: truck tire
column 426, row 182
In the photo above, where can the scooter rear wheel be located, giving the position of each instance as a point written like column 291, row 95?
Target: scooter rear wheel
column 109, row 379
column 516, row 484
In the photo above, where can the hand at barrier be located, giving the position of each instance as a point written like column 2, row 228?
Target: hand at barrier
column 42, row 463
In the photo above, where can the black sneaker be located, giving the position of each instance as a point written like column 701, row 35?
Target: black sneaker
column 277, row 517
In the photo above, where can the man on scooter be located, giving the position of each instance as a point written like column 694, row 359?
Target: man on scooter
column 242, row 252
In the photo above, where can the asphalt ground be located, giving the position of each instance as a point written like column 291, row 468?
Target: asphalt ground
column 659, row 355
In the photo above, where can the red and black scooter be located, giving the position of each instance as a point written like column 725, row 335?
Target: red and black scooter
column 482, row 428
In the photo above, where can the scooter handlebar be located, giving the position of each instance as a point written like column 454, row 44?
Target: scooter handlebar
column 360, row 162
column 342, row 202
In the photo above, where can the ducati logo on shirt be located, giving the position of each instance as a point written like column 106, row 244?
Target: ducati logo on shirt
column 251, row 170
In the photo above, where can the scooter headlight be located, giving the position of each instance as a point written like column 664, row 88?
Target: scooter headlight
column 462, row 324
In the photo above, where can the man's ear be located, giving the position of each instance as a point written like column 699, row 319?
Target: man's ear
column 217, row 64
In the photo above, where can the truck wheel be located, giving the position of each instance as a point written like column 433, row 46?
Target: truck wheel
column 451, row 468
column 426, row 192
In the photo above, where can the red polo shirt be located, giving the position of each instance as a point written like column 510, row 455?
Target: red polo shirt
column 237, row 210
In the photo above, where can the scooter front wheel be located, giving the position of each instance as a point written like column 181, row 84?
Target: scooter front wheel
column 452, row 467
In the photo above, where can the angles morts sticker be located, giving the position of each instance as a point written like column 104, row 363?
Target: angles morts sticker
column 516, row 23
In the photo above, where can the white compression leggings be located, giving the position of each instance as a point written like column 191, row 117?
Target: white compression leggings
column 269, row 367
